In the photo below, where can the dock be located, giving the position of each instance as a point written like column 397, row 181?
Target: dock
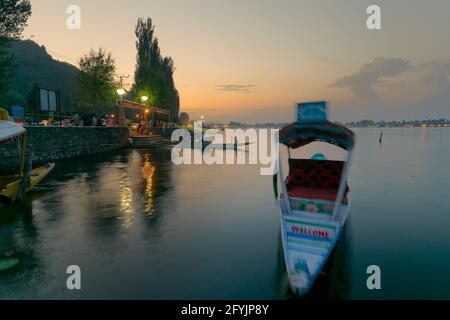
column 149, row 141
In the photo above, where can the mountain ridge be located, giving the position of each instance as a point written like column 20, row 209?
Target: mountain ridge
column 36, row 67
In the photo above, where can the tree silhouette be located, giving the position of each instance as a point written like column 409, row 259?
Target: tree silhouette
column 14, row 15
column 154, row 74
column 95, row 80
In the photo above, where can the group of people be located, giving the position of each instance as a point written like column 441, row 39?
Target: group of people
column 88, row 120
column 92, row 120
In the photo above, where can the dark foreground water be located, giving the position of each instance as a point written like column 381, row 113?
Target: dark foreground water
column 141, row 227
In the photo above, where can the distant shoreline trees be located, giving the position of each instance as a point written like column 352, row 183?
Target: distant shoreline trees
column 154, row 74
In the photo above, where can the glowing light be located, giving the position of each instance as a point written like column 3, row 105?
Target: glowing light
column 120, row 92
column 144, row 98
column 148, row 171
column 126, row 201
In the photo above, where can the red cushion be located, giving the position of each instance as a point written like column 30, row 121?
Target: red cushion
column 315, row 174
column 318, row 193
column 315, row 179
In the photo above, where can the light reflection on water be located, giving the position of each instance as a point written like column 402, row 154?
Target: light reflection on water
column 148, row 171
column 126, row 200
column 141, row 227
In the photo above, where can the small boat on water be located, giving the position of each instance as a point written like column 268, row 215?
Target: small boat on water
column 11, row 185
column 314, row 197
column 231, row 146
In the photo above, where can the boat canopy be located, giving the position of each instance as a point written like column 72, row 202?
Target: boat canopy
column 9, row 129
column 298, row 134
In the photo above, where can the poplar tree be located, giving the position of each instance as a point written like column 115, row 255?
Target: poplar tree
column 154, row 74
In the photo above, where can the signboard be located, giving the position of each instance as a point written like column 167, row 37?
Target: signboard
column 48, row 100
column 305, row 230
column 312, row 112
column 17, row 111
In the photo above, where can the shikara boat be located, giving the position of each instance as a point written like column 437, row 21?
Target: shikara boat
column 10, row 185
column 314, row 198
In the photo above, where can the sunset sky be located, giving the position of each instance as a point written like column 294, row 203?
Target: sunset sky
column 252, row 60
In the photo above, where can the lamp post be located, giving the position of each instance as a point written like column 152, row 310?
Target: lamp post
column 144, row 100
column 121, row 92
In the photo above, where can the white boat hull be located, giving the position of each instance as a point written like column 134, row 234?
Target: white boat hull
column 308, row 243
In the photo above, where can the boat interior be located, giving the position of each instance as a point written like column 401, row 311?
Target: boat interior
column 315, row 179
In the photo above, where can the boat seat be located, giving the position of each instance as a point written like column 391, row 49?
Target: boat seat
column 320, row 194
column 315, row 179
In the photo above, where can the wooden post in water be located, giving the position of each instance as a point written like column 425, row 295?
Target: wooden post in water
column 25, row 179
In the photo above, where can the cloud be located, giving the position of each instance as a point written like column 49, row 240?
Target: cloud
column 406, row 90
column 362, row 82
column 435, row 76
column 235, row 88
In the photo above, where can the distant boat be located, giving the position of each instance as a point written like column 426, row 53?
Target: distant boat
column 231, row 146
column 225, row 146
column 10, row 185
column 314, row 199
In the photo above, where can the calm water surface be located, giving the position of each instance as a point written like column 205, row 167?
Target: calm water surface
column 141, row 227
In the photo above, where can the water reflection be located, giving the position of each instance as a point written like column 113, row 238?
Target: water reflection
column 95, row 202
column 17, row 244
column 126, row 200
column 201, row 214
column 148, row 171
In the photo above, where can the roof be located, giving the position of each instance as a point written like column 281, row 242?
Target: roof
column 298, row 135
column 9, row 129
column 142, row 107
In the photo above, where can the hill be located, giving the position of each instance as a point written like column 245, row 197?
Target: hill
column 37, row 67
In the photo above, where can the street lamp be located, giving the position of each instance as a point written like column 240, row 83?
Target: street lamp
column 144, row 98
column 121, row 92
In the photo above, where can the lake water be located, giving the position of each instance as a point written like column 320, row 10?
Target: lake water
column 141, row 227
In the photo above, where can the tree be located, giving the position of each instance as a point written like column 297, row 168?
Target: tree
column 11, row 98
column 95, row 80
column 14, row 15
column 154, row 74
column 7, row 67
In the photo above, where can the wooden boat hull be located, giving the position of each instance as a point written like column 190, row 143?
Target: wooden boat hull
column 308, row 243
column 36, row 176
